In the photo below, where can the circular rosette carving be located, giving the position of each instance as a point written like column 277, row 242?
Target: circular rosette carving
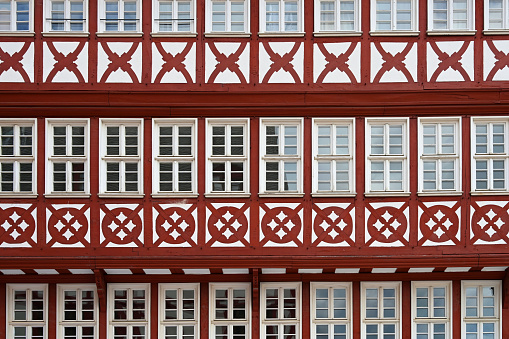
column 227, row 225
column 121, row 226
column 490, row 223
column 333, row 225
column 177, row 227
column 281, row 225
column 68, row 226
column 439, row 223
column 17, row 224
column 387, row 225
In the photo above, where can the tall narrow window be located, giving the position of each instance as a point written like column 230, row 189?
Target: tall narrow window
column 496, row 15
column 66, row 15
column 121, row 156
column 174, row 16
column 230, row 310
column 16, row 15
column 281, row 16
column 179, row 311
column 174, row 151
column 380, row 311
column 481, row 309
column 337, row 16
column 431, row 310
column 227, row 155
column 393, row 15
column 331, row 315
column 27, row 311
column 451, row 15
column 227, row 16
column 120, row 15
column 77, row 311
column 280, row 311
column 128, row 311
column 17, row 159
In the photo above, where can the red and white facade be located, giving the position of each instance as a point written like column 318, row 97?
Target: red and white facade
column 254, row 169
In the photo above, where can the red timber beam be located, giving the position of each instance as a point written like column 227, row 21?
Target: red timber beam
column 505, row 290
column 100, row 283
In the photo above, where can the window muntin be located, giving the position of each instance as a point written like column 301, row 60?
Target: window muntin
column 121, row 156
column 393, row 15
column 77, row 311
column 17, row 156
column 481, row 309
column 431, row 309
column 337, row 16
column 280, row 310
column 227, row 16
column 331, row 310
column 281, row 164
column 174, row 16
column 490, row 152
column 128, row 311
column 450, row 15
column 281, row 16
column 230, row 307
column 27, row 311
column 120, row 16
column 174, row 167
column 179, row 310
column 66, row 15
column 15, row 15
column 380, row 310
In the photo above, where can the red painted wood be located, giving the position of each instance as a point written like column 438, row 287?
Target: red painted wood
column 406, row 309
column 52, row 311
column 306, row 310
column 154, row 310
column 456, row 309
column 204, row 310
column 356, row 310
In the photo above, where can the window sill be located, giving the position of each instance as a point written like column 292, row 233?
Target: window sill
column 387, row 194
column 496, row 32
column 66, row 34
column 394, row 33
column 333, row 194
column 67, row 195
column 451, row 32
column 174, row 195
column 18, row 195
column 439, row 193
column 281, row 34
column 120, row 195
column 281, row 195
column 227, row 35
column 336, row 33
column 119, row 34
column 174, row 34
column 483, row 193
column 227, row 195
column 17, row 34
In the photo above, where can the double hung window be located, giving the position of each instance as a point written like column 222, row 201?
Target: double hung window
column 174, row 16
column 481, row 309
column 451, row 15
column 178, row 316
column 331, row 310
column 77, row 315
column 66, row 15
column 280, row 311
column 128, row 311
column 227, row 16
column 393, row 15
column 380, row 312
column 17, row 156
column 431, row 310
column 337, row 15
column 120, row 15
column 230, row 310
column 15, row 15
column 27, row 311
column 281, row 16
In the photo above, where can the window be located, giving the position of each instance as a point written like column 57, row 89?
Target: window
column 67, row 150
column 281, row 149
column 128, row 311
column 387, row 150
column 331, row 310
column 439, row 155
column 227, row 16
column 230, row 310
column 121, row 156
column 120, row 15
column 174, row 16
column 281, row 16
column 496, row 16
column 481, row 309
column 17, row 159
column 337, row 15
column 333, row 156
column 66, row 15
column 380, row 310
column 26, row 311
column 15, row 15
column 280, row 310
column 77, row 311
column 451, row 15
column 393, row 15
column 490, row 151
column 174, row 167
column 179, row 311
column 431, row 309
column 227, row 155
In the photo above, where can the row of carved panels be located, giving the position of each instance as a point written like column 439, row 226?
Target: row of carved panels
column 278, row 62
column 386, row 224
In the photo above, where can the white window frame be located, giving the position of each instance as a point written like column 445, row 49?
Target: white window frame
column 431, row 320
column 337, row 17
column 440, row 157
column 380, row 321
column 67, row 21
column 386, row 158
column 280, row 321
column 121, row 158
column 505, row 17
column 156, row 14
column 18, row 159
column 129, row 322
column 490, row 156
column 450, row 14
column 331, row 320
column 230, row 322
column 281, row 158
column 333, row 158
column 13, row 16
column 281, row 13
column 175, row 158
column 227, row 158
column 180, row 322
column 479, row 320
column 29, row 323
column 414, row 14
column 79, row 323
column 67, row 159
column 209, row 27
column 120, row 20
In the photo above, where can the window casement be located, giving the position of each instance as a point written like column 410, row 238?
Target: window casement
column 227, row 155
column 281, row 152
column 333, row 156
column 227, row 16
column 17, row 156
column 174, row 151
column 67, row 150
column 128, row 315
column 387, row 156
column 342, row 16
column 27, row 310
column 280, row 310
column 119, row 16
column 450, row 15
column 16, row 15
column 77, row 311
column 496, row 15
column 481, row 309
column 380, row 310
column 397, row 16
column 431, row 309
column 179, row 310
column 121, row 154
column 174, row 16
column 439, row 155
column 65, row 15
column 490, row 155
column 230, row 307
column 281, row 16
column 331, row 313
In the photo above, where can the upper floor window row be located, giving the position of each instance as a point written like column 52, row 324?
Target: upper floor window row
column 275, row 16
